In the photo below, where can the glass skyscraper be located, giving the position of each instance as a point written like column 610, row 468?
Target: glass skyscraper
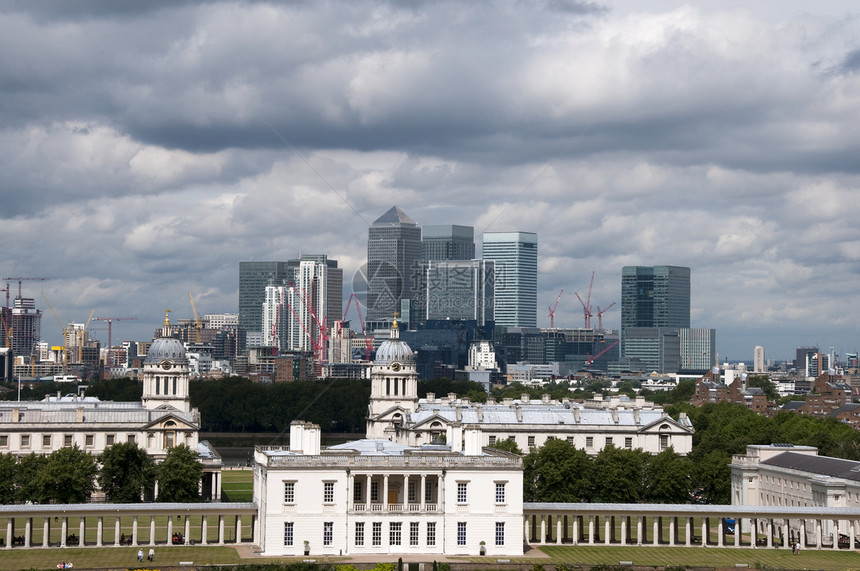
column 515, row 257
column 447, row 242
column 393, row 252
column 460, row 289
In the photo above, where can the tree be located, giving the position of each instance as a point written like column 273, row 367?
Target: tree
column 508, row 445
column 68, row 476
column 127, row 472
column 557, row 472
column 179, row 476
column 28, row 485
column 668, row 478
column 619, row 475
column 8, row 466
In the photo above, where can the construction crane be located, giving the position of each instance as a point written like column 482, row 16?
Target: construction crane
column 590, row 360
column 198, row 325
column 368, row 341
column 3, row 317
column 322, row 339
column 65, row 329
column 110, row 320
column 552, row 311
column 19, row 280
column 600, row 313
column 586, row 305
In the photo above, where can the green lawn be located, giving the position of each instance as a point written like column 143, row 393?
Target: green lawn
column 113, row 557
column 704, row 557
column 237, row 485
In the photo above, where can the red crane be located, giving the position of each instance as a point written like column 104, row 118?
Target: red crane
column 590, row 360
column 368, row 341
column 109, row 362
column 586, row 305
column 19, row 280
column 600, row 313
column 319, row 343
column 552, row 311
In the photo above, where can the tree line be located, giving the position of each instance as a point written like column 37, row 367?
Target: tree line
column 124, row 472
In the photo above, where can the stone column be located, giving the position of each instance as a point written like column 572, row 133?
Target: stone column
column 367, row 488
column 152, row 530
column 28, row 531
column 591, row 530
column 238, row 528
column 116, row 531
column 423, row 492
column 170, row 530
column 624, row 530
column 835, row 534
column 558, row 534
column 851, row 534
column 737, row 531
column 64, row 531
column 204, row 531
column 220, row 529
column 406, row 492
column 673, row 522
column 10, row 526
column 687, row 534
column 528, row 523
column 575, row 538
column 818, row 533
column 721, row 531
column 100, row 527
column 46, row 532
column 187, row 528
column 385, row 492
column 640, row 527
column 769, row 528
column 542, row 538
column 803, row 534
column 656, row 524
column 706, row 528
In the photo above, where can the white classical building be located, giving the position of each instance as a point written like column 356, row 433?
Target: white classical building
column 396, row 413
column 163, row 419
column 375, row 496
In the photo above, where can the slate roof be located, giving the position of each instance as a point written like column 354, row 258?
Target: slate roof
column 822, row 465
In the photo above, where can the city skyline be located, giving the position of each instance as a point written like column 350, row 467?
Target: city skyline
column 149, row 148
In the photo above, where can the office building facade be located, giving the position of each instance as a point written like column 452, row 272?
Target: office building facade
column 460, row 290
column 447, row 242
column 698, row 349
column 515, row 258
column 393, row 253
column 653, row 297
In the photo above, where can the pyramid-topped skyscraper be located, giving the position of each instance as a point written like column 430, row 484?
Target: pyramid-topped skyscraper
column 393, row 252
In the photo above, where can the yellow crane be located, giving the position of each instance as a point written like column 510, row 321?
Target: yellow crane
column 64, row 329
column 198, row 325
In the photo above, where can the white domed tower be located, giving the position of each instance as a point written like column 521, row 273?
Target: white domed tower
column 393, row 386
column 165, row 375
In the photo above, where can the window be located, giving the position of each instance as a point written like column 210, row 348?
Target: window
column 46, row 441
column 431, row 533
column 377, row 533
column 374, row 492
column 531, row 441
column 25, row 441
column 359, row 533
column 500, row 492
column 461, row 492
column 412, row 488
column 357, row 493
column 589, row 442
column 288, row 533
column 67, row 440
column 90, row 440
column 413, row 533
column 461, row 533
column 110, row 439
column 289, row 492
column 328, row 532
column 394, row 533
column 628, row 442
column 492, row 440
column 328, row 492
column 4, row 440
column 131, row 438
column 664, row 441
column 570, row 440
column 428, row 491
column 500, row 533
column 512, row 437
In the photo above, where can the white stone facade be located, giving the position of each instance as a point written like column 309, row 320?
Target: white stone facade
column 379, row 497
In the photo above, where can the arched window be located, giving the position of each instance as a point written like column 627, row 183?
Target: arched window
column 170, row 434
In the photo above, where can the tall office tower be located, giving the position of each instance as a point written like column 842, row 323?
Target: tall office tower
column 26, row 326
column 393, row 252
column 654, row 296
column 447, row 242
column 801, row 356
column 460, row 289
column 515, row 257
column 253, row 279
column 698, row 349
column 758, row 359
column 320, row 283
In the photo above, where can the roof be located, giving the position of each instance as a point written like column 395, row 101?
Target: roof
column 793, row 405
column 394, row 216
column 821, row 465
column 64, row 411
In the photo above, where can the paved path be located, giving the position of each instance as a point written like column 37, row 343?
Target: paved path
column 250, row 552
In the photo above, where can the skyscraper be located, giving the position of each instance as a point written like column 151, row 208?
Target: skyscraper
column 515, row 257
column 393, row 251
column 447, row 242
column 759, row 365
column 460, row 289
column 655, row 296
column 253, row 279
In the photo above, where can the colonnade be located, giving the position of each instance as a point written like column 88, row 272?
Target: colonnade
column 390, row 492
column 129, row 525
column 685, row 525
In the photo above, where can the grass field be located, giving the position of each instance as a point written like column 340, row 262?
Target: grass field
column 114, row 557
column 237, row 485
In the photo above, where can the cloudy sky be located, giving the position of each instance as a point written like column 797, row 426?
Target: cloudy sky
column 146, row 148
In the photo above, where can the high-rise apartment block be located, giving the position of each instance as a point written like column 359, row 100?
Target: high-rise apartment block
column 26, row 326
column 447, row 242
column 393, row 252
column 515, row 257
column 316, row 281
column 759, row 365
